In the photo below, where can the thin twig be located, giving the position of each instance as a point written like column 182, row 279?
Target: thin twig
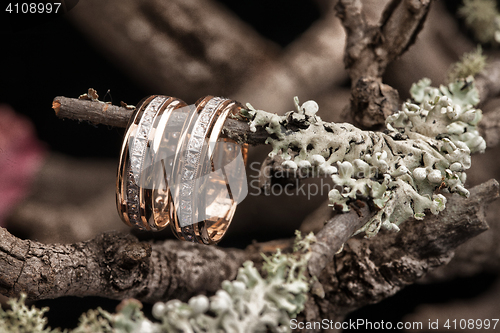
column 333, row 235
column 98, row 112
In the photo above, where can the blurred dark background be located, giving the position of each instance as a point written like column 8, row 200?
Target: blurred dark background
column 47, row 57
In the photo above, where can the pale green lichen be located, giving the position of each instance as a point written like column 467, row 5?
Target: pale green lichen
column 447, row 111
column 128, row 319
column 483, row 18
column 251, row 303
column 271, row 121
column 425, row 150
column 94, row 321
column 470, row 64
column 22, row 319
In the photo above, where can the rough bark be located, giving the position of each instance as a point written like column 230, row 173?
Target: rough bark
column 97, row 112
column 331, row 238
column 113, row 265
column 370, row 48
column 479, row 255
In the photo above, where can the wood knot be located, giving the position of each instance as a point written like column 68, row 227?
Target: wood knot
column 133, row 254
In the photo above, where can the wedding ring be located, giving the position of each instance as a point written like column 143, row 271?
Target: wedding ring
column 135, row 190
column 208, row 174
column 176, row 168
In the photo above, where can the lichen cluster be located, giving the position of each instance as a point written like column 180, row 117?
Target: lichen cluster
column 128, row 319
column 402, row 171
column 470, row 64
column 250, row 303
column 22, row 319
column 483, row 18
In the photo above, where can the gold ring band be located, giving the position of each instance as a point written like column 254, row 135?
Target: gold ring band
column 204, row 203
column 134, row 196
column 175, row 168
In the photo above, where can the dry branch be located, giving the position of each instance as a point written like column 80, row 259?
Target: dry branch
column 95, row 112
column 115, row 266
column 118, row 266
column 369, row 49
column 98, row 112
column 332, row 236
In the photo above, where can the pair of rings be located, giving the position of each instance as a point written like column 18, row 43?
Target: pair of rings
column 175, row 168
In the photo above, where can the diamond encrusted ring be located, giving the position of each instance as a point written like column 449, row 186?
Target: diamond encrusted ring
column 134, row 190
column 209, row 177
column 176, row 168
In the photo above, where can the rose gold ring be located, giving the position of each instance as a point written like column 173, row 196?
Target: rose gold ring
column 174, row 167
column 136, row 196
column 208, row 176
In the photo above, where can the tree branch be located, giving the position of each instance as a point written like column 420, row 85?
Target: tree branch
column 400, row 24
column 98, row 112
column 115, row 266
column 369, row 49
column 93, row 111
column 333, row 235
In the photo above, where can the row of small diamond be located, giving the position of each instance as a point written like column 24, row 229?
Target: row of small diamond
column 136, row 157
column 192, row 157
column 138, row 145
column 133, row 201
